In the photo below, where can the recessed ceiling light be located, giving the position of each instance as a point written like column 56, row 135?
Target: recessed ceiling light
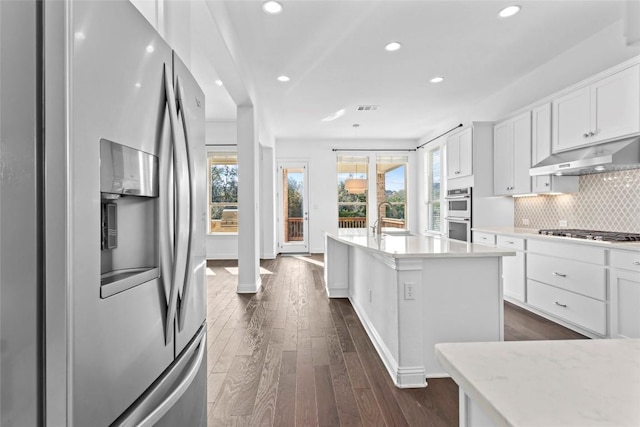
column 150, row 48
column 79, row 35
column 272, row 7
column 219, row 82
column 599, row 168
column 437, row 80
column 509, row 11
column 393, row 46
column 283, row 79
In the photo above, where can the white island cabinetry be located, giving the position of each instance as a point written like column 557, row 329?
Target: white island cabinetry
column 411, row 292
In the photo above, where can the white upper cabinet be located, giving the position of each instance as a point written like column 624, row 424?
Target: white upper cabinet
column 512, row 156
column 615, row 105
column 460, row 154
column 608, row 108
column 541, row 149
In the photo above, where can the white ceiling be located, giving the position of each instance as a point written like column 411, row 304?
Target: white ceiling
column 333, row 52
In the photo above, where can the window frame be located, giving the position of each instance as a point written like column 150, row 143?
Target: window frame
column 430, row 201
column 211, row 151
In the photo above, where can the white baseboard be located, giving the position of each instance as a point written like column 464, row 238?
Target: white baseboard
column 249, row 288
column 338, row 293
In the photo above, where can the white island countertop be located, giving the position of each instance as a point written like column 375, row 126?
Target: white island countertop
column 416, row 246
column 549, row 383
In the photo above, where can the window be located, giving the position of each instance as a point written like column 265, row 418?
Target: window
column 391, row 187
column 352, row 192
column 434, row 180
column 223, row 192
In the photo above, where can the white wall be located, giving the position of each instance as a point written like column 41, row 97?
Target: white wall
column 323, row 179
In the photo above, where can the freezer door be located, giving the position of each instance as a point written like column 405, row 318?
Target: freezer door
column 117, row 92
column 178, row 397
column 192, row 294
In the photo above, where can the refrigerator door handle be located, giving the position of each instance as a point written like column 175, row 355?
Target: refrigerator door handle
column 181, row 177
column 146, row 411
column 184, row 290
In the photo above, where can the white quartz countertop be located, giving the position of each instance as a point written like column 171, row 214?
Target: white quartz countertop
column 416, row 246
column 532, row 233
column 549, row 383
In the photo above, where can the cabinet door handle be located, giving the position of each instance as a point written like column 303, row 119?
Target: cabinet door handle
column 559, row 274
column 457, row 172
column 585, row 135
column 510, row 243
column 560, row 305
column 636, row 262
column 592, row 133
column 546, row 184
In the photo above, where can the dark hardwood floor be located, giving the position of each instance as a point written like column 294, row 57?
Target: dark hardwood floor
column 290, row 356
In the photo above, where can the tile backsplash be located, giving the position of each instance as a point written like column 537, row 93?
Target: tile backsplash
column 607, row 201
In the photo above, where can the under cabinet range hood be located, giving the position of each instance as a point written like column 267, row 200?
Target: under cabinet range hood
column 611, row 156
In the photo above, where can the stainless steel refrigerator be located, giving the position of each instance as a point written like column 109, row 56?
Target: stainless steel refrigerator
column 102, row 220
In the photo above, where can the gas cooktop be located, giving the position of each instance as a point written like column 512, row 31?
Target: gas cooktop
column 605, row 236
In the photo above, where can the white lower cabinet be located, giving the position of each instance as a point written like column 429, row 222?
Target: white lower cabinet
column 591, row 289
column 513, row 267
column 578, row 309
column 569, row 282
column 483, row 238
column 624, row 298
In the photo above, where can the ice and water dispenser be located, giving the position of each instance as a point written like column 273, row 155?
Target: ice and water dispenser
column 129, row 217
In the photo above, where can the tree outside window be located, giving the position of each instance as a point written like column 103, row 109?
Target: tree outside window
column 223, row 192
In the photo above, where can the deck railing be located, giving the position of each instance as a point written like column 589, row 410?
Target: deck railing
column 361, row 222
column 295, row 229
column 352, row 222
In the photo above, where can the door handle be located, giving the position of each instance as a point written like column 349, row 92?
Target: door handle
column 559, row 274
column 184, row 290
column 181, row 177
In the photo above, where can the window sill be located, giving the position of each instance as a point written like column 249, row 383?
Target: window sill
column 223, row 233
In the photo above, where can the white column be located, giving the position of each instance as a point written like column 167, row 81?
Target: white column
column 248, row 202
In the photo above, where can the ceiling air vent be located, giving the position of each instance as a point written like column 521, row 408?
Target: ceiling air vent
column 367, row 107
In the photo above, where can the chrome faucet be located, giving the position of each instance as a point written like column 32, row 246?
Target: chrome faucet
column 378, row 224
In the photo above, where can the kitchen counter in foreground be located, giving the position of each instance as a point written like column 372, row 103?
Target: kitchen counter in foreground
column 411, row 292
column 546, row 383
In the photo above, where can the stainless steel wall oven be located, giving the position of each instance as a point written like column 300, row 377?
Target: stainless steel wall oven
column 459, row 214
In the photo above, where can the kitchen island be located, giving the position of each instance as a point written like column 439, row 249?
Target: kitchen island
column 413, row 291
column 546, row 383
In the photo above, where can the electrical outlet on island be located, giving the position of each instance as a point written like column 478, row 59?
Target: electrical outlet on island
column 563, row 223
column 409, row 291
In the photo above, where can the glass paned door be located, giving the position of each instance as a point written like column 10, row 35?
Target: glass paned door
column 391, row 191
column 294, row 210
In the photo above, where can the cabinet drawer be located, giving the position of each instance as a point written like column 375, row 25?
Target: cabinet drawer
column 580, row 310
column 574, row 276
column 578, row 252
column 484, row 238
column 509, row 242
column 627, row 260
